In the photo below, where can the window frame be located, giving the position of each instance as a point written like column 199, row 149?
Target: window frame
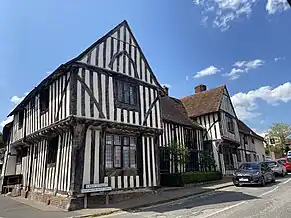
column 52, row 151
column 131, row 146
column 44, row 99
column 229, row 125
column 121, row 82
column 20, row 119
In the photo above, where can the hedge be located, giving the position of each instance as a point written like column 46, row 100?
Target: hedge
column 180, row 179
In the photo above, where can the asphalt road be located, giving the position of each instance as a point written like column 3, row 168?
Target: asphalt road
column 10, row 208
column 271, row 201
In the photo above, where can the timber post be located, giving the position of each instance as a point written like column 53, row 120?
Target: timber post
column 78, row 148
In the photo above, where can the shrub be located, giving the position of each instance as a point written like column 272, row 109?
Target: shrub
column 172, row 179
column 180, row 179
column 195, row 177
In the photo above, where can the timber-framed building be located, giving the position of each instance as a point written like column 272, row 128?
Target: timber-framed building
column 95, row 119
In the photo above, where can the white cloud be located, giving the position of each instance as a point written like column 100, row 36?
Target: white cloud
column 260, row 133
column 167, row 85
column 274, row 6
column 279, row 58
column 207, row 72
column 15, row 100
column 243, row 67
column 246, row 103
column 225, row 12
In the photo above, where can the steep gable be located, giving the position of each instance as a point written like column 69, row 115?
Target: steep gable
column 119, row 51
column 226, row 104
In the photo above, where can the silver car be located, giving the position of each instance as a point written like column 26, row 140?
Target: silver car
column 277, row 167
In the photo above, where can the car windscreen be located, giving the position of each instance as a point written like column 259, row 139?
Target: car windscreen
column 271, row 163
column 283, row 161
column 249, row 166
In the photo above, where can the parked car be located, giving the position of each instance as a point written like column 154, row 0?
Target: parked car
column 289, row 154
column 268, row 158
column 287, row 163
column 253, row 173
column 277, row 167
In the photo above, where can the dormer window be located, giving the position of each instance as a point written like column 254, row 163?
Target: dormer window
column 126, row 95
column 44, row 100
column 20, row 119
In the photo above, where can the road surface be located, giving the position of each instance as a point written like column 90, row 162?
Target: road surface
column 271, row 201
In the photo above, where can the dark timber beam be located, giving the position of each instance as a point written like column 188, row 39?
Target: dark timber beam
column 150, row 110
column 78, row 132
column 117, row 55
column 92, row 97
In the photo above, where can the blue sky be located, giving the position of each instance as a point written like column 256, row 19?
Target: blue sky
column 243, row 44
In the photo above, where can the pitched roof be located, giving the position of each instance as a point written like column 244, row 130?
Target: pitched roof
column 63, row 67
column 203, row 102
column 173, row 110
column 242, row 127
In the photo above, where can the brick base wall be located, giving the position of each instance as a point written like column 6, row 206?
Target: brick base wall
column 75, row 203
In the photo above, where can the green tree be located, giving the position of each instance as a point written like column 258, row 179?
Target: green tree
column 178, row 154
column 283, row 132
column 207, row 161
column 1, row 140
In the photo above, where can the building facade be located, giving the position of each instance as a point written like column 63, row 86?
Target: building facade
column 213, row 110
column 96, row 119
column 251, row 145
column 178, row 130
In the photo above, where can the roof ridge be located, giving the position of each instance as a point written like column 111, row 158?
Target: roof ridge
column 206, row 91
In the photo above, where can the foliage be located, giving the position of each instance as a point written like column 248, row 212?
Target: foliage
column 194, row 177
column 1, row 141
column 283, row 132
column 207, row 161
column 180, row 179
column 178, row 154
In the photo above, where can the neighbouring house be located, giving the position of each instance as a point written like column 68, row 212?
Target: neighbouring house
column 95, row 119
column 251, row 144
column 178, row 128
column 213, row 110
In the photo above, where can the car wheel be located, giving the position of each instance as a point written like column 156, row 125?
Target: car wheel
column 283, row 174
column 274, row 179
column 263, row 183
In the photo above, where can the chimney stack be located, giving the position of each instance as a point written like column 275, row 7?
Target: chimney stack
column 200, row 88
column 166, row 90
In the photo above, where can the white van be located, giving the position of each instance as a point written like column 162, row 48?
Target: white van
column 289, row 154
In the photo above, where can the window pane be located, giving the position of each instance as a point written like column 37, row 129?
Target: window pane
column 132, row 141
column 117, row 156
column 125, row 157
column 132, row 156
column 126, row 93
column 132, row 93
column 109, row 139
column 125, row 140
column 120, row 91
column 117, row 140
column 108, row 157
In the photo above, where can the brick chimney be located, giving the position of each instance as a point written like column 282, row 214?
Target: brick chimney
column 166, row 90
column 200, row 88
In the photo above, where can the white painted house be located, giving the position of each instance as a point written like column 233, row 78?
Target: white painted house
column 213, row 110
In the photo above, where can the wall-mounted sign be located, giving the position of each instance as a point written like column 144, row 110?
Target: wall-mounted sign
column 100, row 187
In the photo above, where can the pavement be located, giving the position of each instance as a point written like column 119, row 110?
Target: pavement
column 272, row 200
column 217, row 199
column 20, row 207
